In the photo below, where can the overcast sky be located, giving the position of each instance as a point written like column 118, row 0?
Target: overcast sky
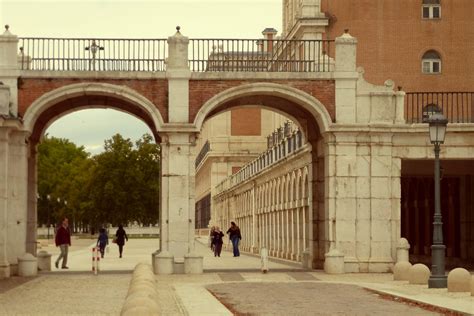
column 131, row 19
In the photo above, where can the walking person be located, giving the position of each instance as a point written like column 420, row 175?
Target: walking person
column 121, row 236
column 235, row 237
column 218, row 234
column 211, row 237
column 102, row 241
column 63, row 241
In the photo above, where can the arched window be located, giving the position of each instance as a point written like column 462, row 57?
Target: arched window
column 431, row 63
column 431, row 9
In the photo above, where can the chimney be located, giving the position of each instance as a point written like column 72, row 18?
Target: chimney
column 269, row 36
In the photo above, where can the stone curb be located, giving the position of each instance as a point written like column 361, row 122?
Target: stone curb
column 423, row 304
column 142, row 296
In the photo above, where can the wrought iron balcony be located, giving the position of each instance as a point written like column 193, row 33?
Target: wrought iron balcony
column 457, row 107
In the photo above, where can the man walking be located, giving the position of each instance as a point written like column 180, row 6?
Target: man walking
column 63, row 241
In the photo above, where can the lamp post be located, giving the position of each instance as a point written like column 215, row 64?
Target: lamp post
column 437, row 125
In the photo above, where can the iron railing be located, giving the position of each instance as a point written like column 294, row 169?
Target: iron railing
column 210, row 55
column 457, row 107
column 202, row 153
column 89, row 54
column 260, row 55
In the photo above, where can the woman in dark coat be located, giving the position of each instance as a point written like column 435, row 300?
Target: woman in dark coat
column 217, row 238
column 235, row 237
column 121, row 236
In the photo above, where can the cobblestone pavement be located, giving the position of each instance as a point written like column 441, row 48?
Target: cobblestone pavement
column 307, row 298
column 56, row 294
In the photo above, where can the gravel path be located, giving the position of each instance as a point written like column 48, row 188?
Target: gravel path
column 307, row 298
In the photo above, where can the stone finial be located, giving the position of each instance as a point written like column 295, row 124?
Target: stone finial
column 346, row 31
column 178, row 28
column 459, row 280
column 7, row 31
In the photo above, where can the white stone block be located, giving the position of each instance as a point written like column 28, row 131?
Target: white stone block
column 381, row 166
column 44, row 261
column 381, row 188
column 163, row 263
column 401, row 271
column 363, row 187
column 334, row 262
column 193, row 264
column 27, row 265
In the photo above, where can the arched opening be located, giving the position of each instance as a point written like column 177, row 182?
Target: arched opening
column 282, row 222
column 55, row 105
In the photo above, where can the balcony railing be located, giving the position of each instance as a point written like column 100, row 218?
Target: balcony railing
column 202, row 153
column 205, row 55
column 458, row 107
column 285, row 147
column 88, row 54
column 260, row 55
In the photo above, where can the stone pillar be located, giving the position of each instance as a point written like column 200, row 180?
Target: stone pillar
column 9, row 71
column 32, row 212
column 4, row 264
column 17, row 196
column 177, row 215
column 346, row 78
column 178, row 74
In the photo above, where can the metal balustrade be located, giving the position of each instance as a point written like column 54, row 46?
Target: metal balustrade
column 260, row 55
column 90, row 54
column 205, row 55
column 265, row 160
column 457, row 107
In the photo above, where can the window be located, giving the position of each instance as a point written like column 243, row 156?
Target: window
column 431, row 9
column 431, row 63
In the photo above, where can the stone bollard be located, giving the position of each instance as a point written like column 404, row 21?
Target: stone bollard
column 27, row 265
column 264, row 259
column 334, row 262
column 419, row 274
column 459, row 280
column 472, row 286
column 306, row 259
column 401, row 271
column 163, row 263
column 402, row 250
column 44, row 261
column 193, row 264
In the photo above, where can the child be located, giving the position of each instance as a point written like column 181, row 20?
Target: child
column 102, row 241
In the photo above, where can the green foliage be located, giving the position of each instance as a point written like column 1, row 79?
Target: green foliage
column 117, row 186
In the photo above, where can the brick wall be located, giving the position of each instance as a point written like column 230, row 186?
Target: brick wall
column 392, row 38
column 154, row 90
column 200, row 91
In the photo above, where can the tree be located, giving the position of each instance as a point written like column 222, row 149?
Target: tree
column 61, row 167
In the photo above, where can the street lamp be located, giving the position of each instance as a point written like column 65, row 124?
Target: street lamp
column 437, row 123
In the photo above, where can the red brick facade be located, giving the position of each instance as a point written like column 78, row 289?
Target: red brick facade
column 156, row 91
column 200, row 91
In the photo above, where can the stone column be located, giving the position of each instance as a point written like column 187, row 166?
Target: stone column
column 4, row 264
column 32, row 211
column 346, row 50
column 9, row 71
column 178, row 75
column 177, row 217
column 17, row 196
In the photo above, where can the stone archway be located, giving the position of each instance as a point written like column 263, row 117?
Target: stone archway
column 62, row 101
column 313, row 120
